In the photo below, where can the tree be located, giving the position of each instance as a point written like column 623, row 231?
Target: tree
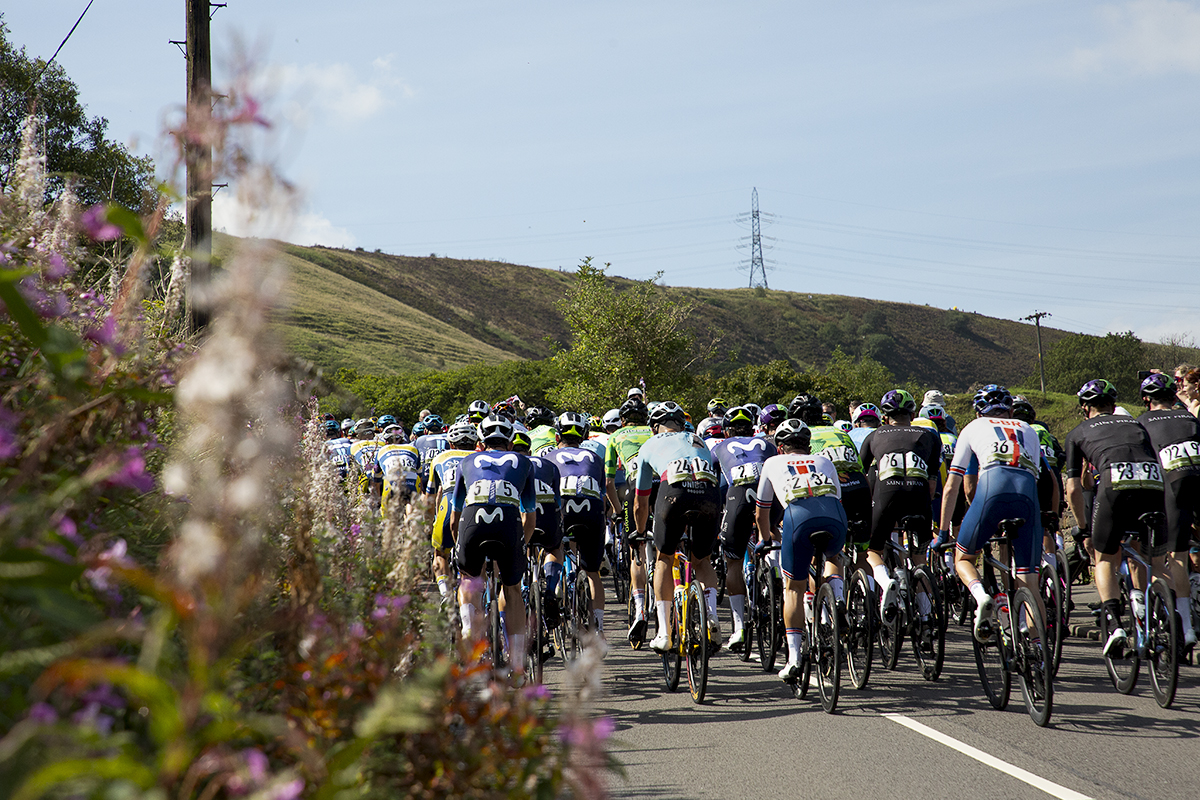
column 1077, row 359
column 620, row 337
column 75, row 146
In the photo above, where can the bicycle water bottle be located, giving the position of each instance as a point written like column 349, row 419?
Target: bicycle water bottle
column 808, row 606
column 902, row 578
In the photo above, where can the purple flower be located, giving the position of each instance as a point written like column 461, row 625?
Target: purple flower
column 132, row 472
column 57, row 268
column 256, row 764
column 66, row 527
column 95, row 223
column 43, row 713
column 358, row 631
column 287, row 791
column 103, row 334
column 538, row 691
column 603, row 728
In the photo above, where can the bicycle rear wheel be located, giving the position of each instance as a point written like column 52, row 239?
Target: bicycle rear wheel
column 1123, row 664
column 1056, row 607
column 929, row 629
column 764, row 616
column 583, row 609
column 696, row 642
column 889, row 634
column 1032, row 658
column 495, row 628
column 992, row 663
column 826, row 648
column 1162, row 642
column 748, row 575
column 860, row 640
column 534, row 628
column 673, row 659
column 718, row 563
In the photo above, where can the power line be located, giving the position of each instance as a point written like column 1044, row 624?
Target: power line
column 62, row 44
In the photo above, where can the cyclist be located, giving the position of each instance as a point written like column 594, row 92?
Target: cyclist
column 1052, row 452
column 838, row 447
column 623, row 447
column 478, row 410
column 1008, row 456
column 769, row 419
column 865, row 419
column 716, row 414
column 688, row 485
column 547, row 530
column 741, row 457
column 581, row 485
column 901, row 460
column 443, row 470
column 935, row 398
column 399, row 464
column 494, row 512
column 810, row 490
column 1175, row 435
column 337, row 448
column 431, row 442
column 1130, row 484
column 711, row 431
column 362, row 451
column 540, row 422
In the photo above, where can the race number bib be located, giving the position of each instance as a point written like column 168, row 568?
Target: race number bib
column 902, row 465
column 1180, row 455
column 844, row 458
column 807, row 484
column 690, row 470
column 579, row 486
column 544, row 492
column 487, row 493
column 1135, row 475
column 744, row 474
column 1006, row 453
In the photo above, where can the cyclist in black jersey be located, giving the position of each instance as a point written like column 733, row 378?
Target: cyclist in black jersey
column 901, row 461
column 1129, row 485
column 1175, row 435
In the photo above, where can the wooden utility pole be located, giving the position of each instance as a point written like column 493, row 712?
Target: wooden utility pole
column 1037, row 321
column 198, row 156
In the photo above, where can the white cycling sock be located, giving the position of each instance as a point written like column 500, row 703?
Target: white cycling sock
column 737, row 606
column 839, row 587
column 1051, row 560
column 516, row 651
column 710, row 600
column 978, row 592
column 639, row 604
column 1137, row 599
column 598, row 613
column 1184, row 606
column 881, row 574
column 795, row 643
column 923, row 604
column 443, row 584
column 663, row 607
column 465, row 613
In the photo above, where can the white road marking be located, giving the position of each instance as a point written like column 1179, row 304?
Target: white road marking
column 1049, row 787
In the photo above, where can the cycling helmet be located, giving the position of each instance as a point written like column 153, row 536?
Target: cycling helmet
column 462, row 436
column 793, row 433
column 664, row 412
column 364, row 427
column 806, row 408
column 434, row 424
column 505, row 409
column 634, row 410
column 331, row 427
column 868, row 410
column 612, row 419
column 393, row 434
column 898, row 400
column 347, row 424
column 1159, row 387
column 495, row 427
column 478, row 410
column 1023, row 409
column 636, row 391
column 537, row 416
column 521, row 441
column 419, row 430
column 771, row 415
column 329, row 417
column 572, row 423
column 992, row 399
column 711, row 428
column 595, row 422
column 844, row 425
column 717, row 407
column 386, row 420
column 739, row 416
column 1094, row 390
column 753, row 408
column 934, row 413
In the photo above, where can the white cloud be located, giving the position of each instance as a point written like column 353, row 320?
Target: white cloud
column 1146, row 37
column 267, row 220
column 335, row 91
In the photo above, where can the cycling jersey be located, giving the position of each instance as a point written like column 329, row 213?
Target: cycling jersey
column 1130, row 479
column 839, row 448
column 546, row 482
column 901, row 461
column 443, row 472
column 581, row 485
column 810, row 489
column 542, row 438
column 1175, row 436
column 491, row 491
column 676, row 458
column 688, row 484
column 858, row 436
column 363, row 453
column 741, row 459
column 400, row 466
column 623, row 447
column 338, row 451
column 428, row 446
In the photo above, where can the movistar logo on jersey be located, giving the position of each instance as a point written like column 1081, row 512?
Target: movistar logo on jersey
column 509, row 458
column 486, row 516
column 577, row 506
column 575, row 458
column 757, row 444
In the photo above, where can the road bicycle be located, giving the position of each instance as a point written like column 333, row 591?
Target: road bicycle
column 618, row 559
column 1055, row 589
column 919, row 612
column 824, row 651
column 642, row 555
column 767, row 605
column 574, row 599
column 1015, row 638
column 1156, row 634
column 539, row 648
column 690, row 644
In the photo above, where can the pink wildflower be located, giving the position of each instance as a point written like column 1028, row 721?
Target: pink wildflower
column 95, row 223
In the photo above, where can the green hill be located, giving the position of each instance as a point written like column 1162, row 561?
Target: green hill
column 384, row 314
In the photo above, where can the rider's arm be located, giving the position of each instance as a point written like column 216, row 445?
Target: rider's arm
column 762, row 505
column 611, row 492
column 1075, row 501
column 949, row 498
column 641, row 484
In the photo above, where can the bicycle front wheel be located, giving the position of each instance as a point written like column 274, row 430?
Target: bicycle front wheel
column 889, row 633
column 827, row 648
column 534, row 629
column 583, row 608
column 1162, row 642
column 860, row 641
column 748, row 576
column 1032, row 658
column 1123, row 663
column 495, row 627
column 992, row 664
column 695, row 645
column 929, row 628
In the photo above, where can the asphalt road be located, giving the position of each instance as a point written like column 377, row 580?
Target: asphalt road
column 751, row 738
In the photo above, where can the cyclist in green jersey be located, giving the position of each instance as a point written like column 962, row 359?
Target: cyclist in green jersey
column 623, row 446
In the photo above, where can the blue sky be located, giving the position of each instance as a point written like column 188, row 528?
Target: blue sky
column 996, row 156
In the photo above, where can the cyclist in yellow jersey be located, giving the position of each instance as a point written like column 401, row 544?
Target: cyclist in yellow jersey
column 443, row 470
column 623, row 446
column 400, row 465
column 362, row 453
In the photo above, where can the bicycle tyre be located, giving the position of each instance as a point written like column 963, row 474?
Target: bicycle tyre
column 1032, row 658
column 748, row 616
column 1052, row 598
column 696, row 642
column 860, row 639
column 930, row 663
column 1124, row 667
column 583, row 609
column 535, row 631
column 992, row 664
column 495, row 629
column 1064, row 584
column 718, row 562
column 889, row 634
column 1162, row 642
column 764, row 616
column 826, row 649
column 672, row 660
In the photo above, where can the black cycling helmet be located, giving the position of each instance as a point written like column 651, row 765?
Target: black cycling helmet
column 897, row 400
column 521, row 441
column 478, row 410
column 572, row 423
column 1160, row 387
column 992, row 399
column 1097, row 391
column 792, row 433
column 462, row 436
column 806, row 408
column 537, row 416
column 634, row 410
column 739, row 418
column 1023, row 409
column 496, row 427
column 717, row 407
column 668, row 411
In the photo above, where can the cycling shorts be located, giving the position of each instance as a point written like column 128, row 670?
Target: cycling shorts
column 547, row 531
column 737, row 521
column 588, row 532
column 1004, row 493
column 856, row 500
column 890, row 504
column 443, row 534
column 1182, row 497
column 493, row 531
column 800, row 521
column 671, row 517
column 1115, row 516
